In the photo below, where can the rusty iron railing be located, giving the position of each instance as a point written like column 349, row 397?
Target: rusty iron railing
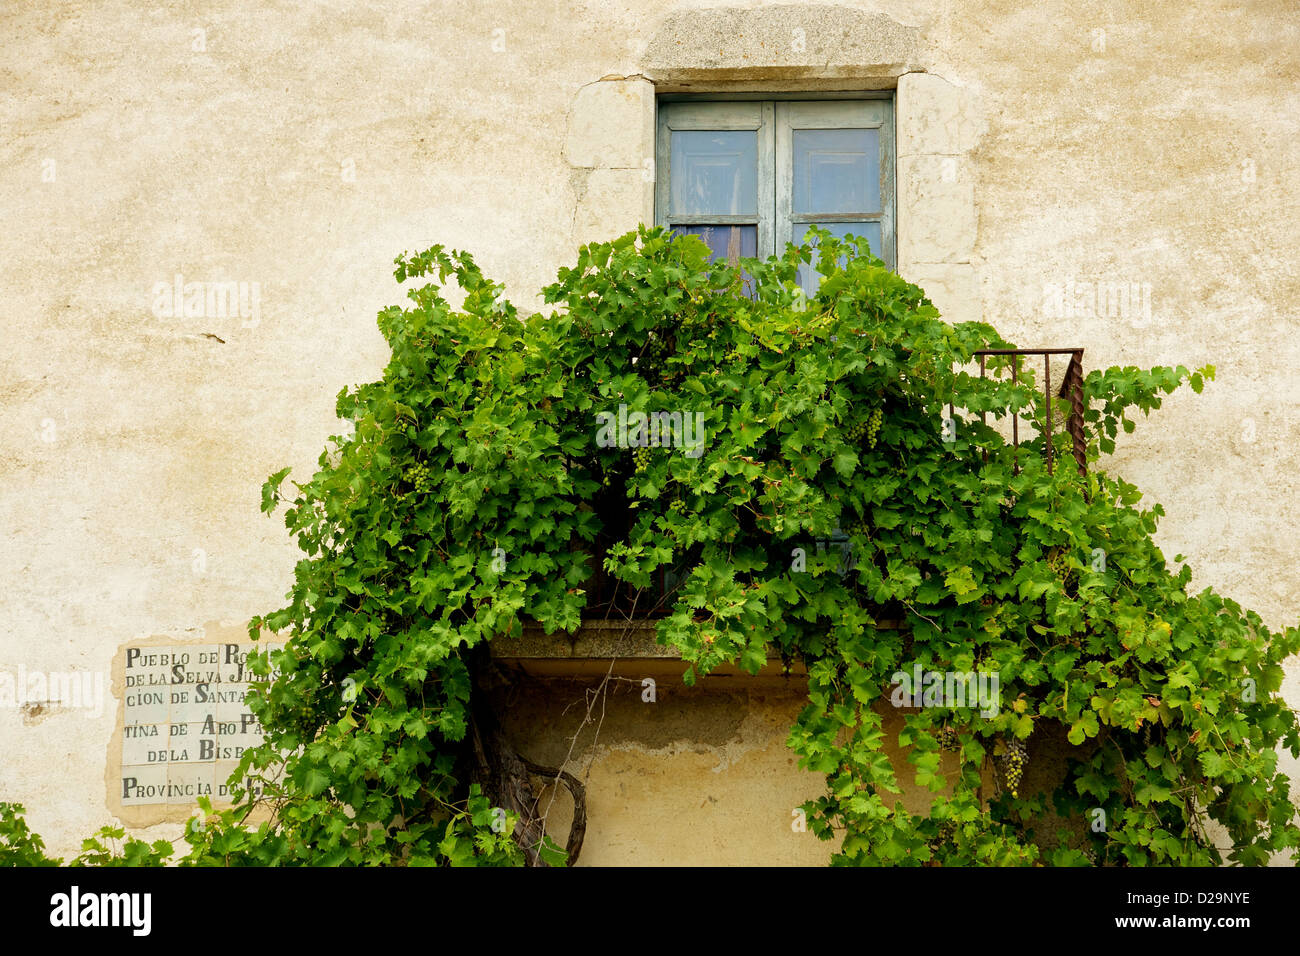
column 1071, row 390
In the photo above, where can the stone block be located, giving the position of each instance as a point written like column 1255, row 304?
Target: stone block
column 935, row 117
column 611, row 125
column 936, row 210
column 615, row 201
column 954, row 288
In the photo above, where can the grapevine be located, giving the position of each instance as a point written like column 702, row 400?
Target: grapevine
column 951, row 573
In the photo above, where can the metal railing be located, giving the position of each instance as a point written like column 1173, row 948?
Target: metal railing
column 1071, row 390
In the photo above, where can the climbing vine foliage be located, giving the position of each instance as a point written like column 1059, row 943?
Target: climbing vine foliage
column 831, row 513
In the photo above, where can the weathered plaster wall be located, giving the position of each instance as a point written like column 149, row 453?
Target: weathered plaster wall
column 698, row 776
column 302, row 146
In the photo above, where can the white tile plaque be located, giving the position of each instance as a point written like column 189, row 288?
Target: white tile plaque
column 183, row 724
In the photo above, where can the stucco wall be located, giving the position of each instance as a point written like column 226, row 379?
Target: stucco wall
column 301, row 146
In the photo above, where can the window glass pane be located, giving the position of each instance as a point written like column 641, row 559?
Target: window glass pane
column 714, row 172
column 727, row 242
column 836, row 170
column 810, row 278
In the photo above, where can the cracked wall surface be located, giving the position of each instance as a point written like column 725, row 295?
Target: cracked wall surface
column 298, row 151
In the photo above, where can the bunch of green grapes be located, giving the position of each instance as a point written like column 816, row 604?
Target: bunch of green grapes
column 418, row 477
column 1014, row 762
column 1058, row 560
column 652, row 356
column 948, row 739
column 947, row 830
column 874, row 422
column 642, row 458
column 677, row 505
column 870, row 429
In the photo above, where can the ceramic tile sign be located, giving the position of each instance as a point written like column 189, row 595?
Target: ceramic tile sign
column 183, row 724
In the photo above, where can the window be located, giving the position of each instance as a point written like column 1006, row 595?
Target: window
column 749, row 176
